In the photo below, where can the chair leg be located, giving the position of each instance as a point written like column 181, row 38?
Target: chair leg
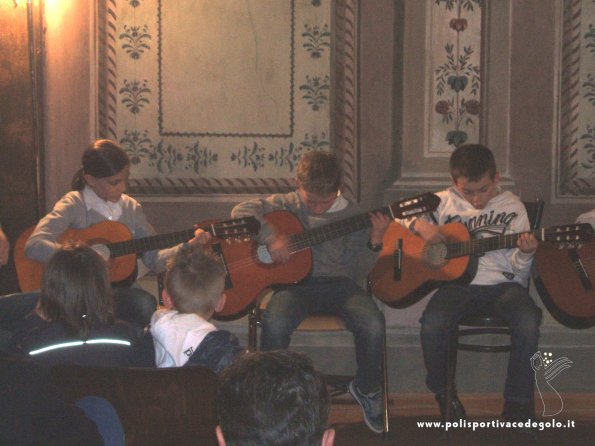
column 253, row 330
column 451, row 370
column 385, row 414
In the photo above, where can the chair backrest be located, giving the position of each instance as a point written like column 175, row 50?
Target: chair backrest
column 156, row 406
column 534, row 212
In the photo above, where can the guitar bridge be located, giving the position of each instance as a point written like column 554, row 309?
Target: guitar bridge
column 580, row 269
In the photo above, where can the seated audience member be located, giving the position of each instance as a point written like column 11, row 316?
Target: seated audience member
column 34, row 411
column 273, row 398
column 74, row 320
column 182, row 333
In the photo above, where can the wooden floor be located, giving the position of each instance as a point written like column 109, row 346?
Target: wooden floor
column 577, row 406
column 407, row 410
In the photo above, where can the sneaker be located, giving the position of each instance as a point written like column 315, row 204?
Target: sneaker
column 372, row 407
column 457, row 410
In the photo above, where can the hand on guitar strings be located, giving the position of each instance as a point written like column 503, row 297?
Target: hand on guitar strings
column 278, row 247
column 527, row 243
column 380, row 222
column 200, row 237
column 428, row 231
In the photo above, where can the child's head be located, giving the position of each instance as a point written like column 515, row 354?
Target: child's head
column 473, row 171
column 319, row 179
column 105, row 168
column 76, row 290
column 195, row 280
column 271, row 398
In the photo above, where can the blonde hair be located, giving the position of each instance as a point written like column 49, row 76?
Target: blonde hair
column 195, row 280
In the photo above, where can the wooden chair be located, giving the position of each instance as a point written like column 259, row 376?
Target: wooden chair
column 319, row 323
column 156, row 406
column 481, row 324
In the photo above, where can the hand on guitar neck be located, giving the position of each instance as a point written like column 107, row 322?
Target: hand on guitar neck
column 201, row 237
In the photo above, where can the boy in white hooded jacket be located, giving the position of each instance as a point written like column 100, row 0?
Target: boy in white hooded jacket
column 182, row 333
column 500, row 285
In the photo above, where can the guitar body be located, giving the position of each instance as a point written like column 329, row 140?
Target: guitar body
column 251, row 273
column 423, row 267
column 30, row 272
column 567, row 291
column 118, row 245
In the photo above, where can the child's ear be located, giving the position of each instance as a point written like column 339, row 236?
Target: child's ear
column 221, row 302
column 167, row 303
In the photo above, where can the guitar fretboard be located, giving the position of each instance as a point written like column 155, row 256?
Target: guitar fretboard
column 402, row 209
column 138, row 246
column 507, row 241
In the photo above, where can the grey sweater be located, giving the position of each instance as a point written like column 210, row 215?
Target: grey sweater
column 71, row 212
column 346, row 256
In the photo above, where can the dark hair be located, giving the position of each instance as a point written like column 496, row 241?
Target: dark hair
column 103, row 158
column 194, row 280
column 472, row 161
column 319, row 173
column 76, row 290
column 272, row 398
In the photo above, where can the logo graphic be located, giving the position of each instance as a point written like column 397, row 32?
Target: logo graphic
column 546, row 369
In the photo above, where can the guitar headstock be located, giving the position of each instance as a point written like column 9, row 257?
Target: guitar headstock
column 236, row 228
column 413, row 206
column 569, row 236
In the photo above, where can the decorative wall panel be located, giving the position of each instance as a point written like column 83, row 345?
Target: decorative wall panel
column 576, row 149
column 454, row 31
column 223, row 97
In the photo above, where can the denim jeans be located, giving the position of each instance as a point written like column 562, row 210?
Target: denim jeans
column 339, row 296
column 510, row 301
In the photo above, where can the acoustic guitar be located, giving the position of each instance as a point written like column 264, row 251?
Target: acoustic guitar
column 114, row 241
column 564, row 280
column 403, row 276
column 251, row 268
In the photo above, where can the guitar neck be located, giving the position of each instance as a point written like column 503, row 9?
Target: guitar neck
column 481, row 245
column 140, row 245
column 332, row 230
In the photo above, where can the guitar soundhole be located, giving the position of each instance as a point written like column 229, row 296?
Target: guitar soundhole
column 263, row 254
column 435, row 255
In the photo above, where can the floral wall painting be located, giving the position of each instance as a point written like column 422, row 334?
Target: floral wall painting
column 216, row 96
column 455, row 36
column 576, row 147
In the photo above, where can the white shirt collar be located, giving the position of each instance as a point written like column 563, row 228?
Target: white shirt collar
column 339, row 204
column 111, row 211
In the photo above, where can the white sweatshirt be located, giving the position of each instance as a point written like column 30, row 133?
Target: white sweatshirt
column 504, row 214
column 177, row 336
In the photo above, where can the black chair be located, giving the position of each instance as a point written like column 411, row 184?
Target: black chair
column 481, row 324
column 319, row 323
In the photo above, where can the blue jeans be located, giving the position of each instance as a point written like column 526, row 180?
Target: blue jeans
column 508, row 300
column 329, row 295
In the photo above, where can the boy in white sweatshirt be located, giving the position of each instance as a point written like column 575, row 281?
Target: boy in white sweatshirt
column 500, row 284
column 182, row 333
